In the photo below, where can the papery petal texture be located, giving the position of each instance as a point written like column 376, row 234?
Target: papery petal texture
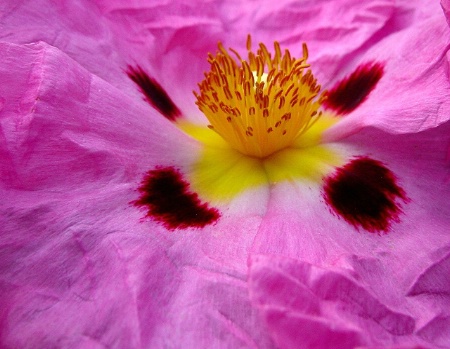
column 406, row 268
column 446, row 7
column 311, row 307
column 84, row 270
column 83, row 266
column 415, row 61
column 74, row 27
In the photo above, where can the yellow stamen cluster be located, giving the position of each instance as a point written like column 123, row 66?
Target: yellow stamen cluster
column 261, row 105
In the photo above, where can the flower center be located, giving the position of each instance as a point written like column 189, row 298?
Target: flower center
column 260, row 105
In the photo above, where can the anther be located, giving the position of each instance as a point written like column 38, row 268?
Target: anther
column 251, row 97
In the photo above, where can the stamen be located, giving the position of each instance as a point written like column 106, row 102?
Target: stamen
column 260, row 105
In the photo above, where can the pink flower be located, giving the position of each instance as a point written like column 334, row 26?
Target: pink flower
column 120, row 230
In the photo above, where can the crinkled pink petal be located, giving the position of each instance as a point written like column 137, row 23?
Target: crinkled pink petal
column 75, row 27
column 433, row 286
column 420, row 163
column 330, row 41
column 306, row 306
column 79, row 267
column 159, row 37
column 414, row 92
column 446, row 7
column 336, row 48
column 83, row 127
column 171, row 40
column 166, row 30
column 405, row 268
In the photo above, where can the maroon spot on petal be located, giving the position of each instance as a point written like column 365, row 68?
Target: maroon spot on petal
column 154, row 93
column 166, row 197
column 351, row 91
column 365, row 193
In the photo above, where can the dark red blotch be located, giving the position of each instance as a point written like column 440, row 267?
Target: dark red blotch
column 166, row 197
column 154, row 93
column 351, row 91
column 365, row 193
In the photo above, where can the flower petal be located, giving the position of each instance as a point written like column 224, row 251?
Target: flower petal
column 306, row 306
column 291, row 22
column 75, row 27
column 446, row 7
column 170, row 40
column 299, row 225
column 79, row 266
column 434, row 280
column 84, row 127
column 414, row 92
column 331, row 45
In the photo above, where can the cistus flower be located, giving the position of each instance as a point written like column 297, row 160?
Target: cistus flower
column 297, row 199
